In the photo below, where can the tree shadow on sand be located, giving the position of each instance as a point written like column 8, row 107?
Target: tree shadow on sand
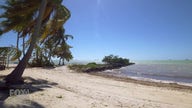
column 31, row 84
column 31, row 105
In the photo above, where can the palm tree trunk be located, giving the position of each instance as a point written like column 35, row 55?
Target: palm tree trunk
column 49, row 56
column 15, row 77
column 63, row 61
column 37, row 54
column 23, row 45
column 17, row 44
column 59, row 61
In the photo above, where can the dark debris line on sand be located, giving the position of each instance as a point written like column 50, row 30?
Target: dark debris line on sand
column 172, row 86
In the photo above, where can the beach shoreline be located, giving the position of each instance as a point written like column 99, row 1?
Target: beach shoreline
column 168, row 85
column 61, row 87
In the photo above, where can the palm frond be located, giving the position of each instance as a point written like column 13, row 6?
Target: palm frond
column 15, row 54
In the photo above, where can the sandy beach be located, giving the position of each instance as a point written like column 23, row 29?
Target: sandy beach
column 63, row 88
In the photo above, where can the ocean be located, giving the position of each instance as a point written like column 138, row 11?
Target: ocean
column 171, row 71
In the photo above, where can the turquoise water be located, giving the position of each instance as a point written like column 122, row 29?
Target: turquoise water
column 163, row 62
column 167, row 70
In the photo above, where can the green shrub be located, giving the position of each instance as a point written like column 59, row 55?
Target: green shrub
column 92, row 65
column 77, row 67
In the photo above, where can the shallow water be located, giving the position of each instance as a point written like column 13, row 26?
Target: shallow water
column 170, row 71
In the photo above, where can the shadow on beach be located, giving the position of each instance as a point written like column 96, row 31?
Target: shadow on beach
column 32, row 105
column 31, row 84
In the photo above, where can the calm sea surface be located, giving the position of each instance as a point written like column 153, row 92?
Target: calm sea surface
column 168, row 71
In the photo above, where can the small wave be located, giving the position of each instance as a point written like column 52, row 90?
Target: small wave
column 162, row 81
column 172, row 73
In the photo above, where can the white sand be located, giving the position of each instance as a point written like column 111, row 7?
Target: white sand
column 80, row 90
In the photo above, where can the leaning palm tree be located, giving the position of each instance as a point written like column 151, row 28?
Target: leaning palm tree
column 63, row 53
column 15, row 77
column 57, row 46
column 51, row 12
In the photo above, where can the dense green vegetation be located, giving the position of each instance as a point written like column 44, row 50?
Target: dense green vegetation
column 52, row 47
column 110, row 62
column 115, row 60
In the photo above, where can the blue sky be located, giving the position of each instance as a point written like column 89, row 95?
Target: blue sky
column 136, row 29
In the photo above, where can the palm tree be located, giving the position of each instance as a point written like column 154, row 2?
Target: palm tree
column 10, row 52
column 15, row 77
column 63, row 53
column 58, row 46
column 51, row 12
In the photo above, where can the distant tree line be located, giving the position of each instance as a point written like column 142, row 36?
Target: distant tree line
column 115, row 60
column 110, row 62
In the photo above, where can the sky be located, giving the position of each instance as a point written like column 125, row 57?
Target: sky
column 135, row 29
